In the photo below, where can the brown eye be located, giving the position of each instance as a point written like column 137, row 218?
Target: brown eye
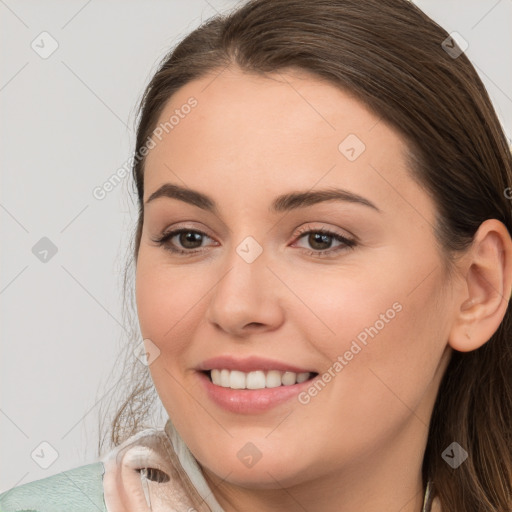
column 190, row 239
column 322, row 240
column 183, row 241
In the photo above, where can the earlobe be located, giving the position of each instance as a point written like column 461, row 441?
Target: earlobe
column 488, row 282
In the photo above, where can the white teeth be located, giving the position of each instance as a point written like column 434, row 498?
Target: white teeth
column 257, row 379
column 273, row 379
column 289, row 378
column 301, row 377
column 224, row 378
column 237, row 380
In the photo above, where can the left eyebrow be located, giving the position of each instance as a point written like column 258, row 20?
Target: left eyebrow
column 295, row 200
column 282, row 203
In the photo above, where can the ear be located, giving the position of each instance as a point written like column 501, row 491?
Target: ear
column 488, row 279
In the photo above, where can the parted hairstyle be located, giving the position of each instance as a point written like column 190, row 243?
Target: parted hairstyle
column 391, row 57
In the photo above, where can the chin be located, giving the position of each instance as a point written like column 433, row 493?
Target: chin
column 270, row 472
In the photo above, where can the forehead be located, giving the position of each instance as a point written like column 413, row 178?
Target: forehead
column 283, row 130
column 295, row 106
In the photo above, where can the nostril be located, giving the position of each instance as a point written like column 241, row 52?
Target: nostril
column 254, row 324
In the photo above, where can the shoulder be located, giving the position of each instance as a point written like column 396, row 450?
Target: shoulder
column 145, row 469
column 79, row 489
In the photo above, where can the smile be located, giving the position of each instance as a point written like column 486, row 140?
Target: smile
column 258, row 379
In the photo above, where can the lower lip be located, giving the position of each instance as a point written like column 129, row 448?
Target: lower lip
column 247, row 401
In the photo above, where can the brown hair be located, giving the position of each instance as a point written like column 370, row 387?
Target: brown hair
column 388, row 54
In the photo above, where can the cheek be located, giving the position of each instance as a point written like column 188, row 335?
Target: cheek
column 383, row 336
column 348, row 307
column 395, row 374
column 166, row 298
column 167, row 302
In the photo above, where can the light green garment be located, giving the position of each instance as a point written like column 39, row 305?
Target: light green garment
column 76, row 490
column 115, row 483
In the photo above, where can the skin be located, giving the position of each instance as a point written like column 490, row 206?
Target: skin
column 358, row 444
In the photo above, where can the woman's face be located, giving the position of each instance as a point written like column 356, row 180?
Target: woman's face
column 279, row 275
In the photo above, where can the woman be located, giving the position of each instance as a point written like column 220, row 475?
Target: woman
column 323, row 270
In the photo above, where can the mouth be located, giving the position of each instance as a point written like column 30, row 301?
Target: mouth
column 258, row 379
column 254, row 384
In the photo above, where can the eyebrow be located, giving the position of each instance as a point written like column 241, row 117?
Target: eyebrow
column 282, row 203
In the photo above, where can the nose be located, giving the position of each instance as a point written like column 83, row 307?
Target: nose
column 246, row 299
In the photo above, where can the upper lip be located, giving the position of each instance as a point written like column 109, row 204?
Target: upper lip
column 248, row 364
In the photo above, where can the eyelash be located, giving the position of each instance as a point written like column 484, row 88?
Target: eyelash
column 347, row 243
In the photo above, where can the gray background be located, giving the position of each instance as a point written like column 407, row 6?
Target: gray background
column 66, row 127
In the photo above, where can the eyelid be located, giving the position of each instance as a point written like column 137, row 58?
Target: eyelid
column 334, row 231
column 302, row 230
column 184, row 226
column 346, row 242
column 163, row 240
